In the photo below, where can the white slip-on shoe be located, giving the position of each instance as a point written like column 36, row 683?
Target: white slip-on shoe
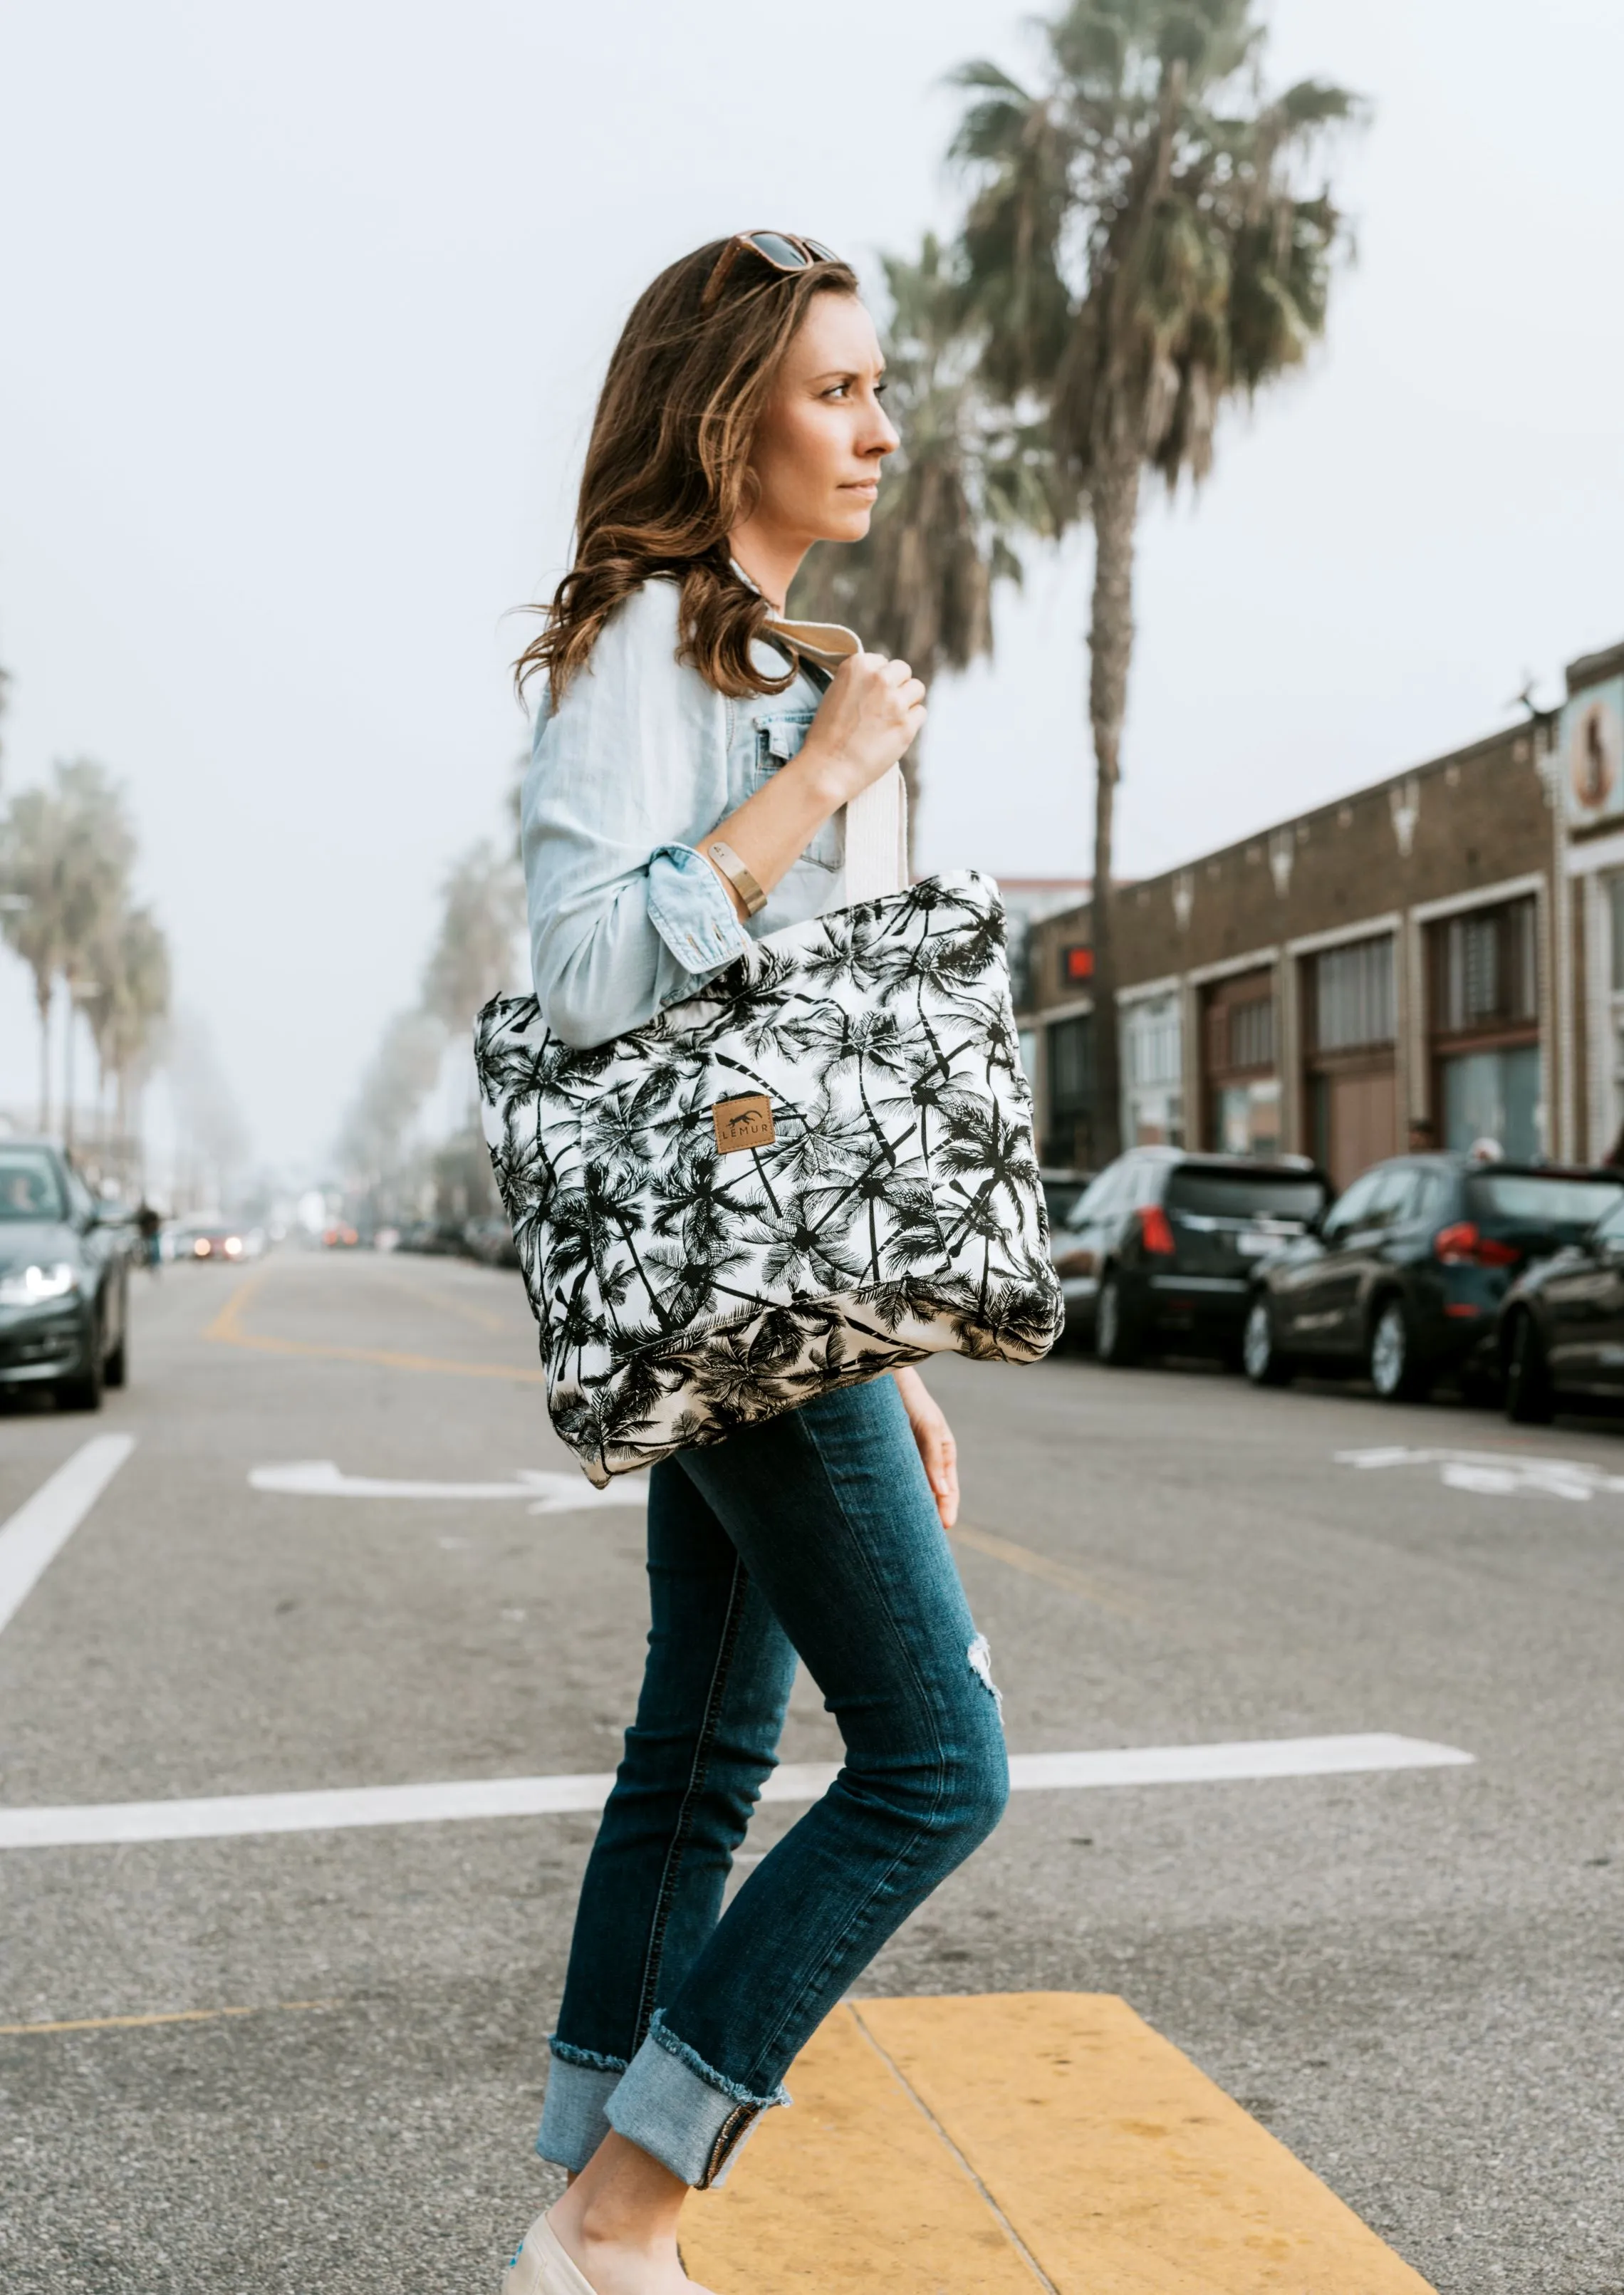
column 542, row 2268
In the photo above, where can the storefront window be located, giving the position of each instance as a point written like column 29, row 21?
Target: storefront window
column 1350, row 1099
column 1493, row 1096
column 1485, row 1028
column 1241, row 1086
column 1071, row 1090
column 1153, row 1074
column 1248, row 1117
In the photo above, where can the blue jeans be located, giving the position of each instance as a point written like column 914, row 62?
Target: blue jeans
column 814, row 1533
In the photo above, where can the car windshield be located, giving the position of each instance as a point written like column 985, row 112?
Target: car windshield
column 1245, row 1195
column 29, row 1188
column 1541, row 1198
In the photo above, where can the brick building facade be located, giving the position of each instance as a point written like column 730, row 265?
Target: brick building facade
column 1444, row 950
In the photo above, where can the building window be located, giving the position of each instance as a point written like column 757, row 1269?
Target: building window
column 1071, row 1090
column 1352, row 1002
column 1251, row 1033
column 1611, row 1054
column 1350, row 1096
column 1487, row 967
column 1485, row 1029
column 1494, row 1096
column 1241, row 1091
column 1153, row 1074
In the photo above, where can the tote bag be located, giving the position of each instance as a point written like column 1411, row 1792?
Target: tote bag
column 817, row 1168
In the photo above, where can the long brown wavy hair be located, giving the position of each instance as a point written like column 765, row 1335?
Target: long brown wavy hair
column 667, row 474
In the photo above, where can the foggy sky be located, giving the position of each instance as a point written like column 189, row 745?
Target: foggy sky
column 303, row 311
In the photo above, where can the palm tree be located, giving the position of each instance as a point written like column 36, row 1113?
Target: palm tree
column 30, row 914
column 393, row 1087
column 131, row 963
column 66, row 853
column 966, row 479
column 1141, row 245
column 483, row 907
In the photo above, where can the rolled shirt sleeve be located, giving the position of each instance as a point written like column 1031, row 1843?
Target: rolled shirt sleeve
column 691, row 912
column 625, row 775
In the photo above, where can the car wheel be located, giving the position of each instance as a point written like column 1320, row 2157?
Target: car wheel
column 1115, row 1341
column 1529, row 1399
column 1395, row 1372
column 1261, row 1359
column 84, row 1393
column 116, row 1371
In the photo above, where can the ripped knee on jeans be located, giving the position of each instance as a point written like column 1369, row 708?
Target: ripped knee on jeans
column 979, row 1656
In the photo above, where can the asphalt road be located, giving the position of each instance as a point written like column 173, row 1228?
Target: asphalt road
column 1414, row 1978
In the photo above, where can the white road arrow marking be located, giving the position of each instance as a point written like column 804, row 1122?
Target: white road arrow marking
column 1496, row 1473
column 463, row 1798
column 321, row 1478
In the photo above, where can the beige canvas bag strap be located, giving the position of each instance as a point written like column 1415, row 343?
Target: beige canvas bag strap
column 876, row 839
column 877, row 819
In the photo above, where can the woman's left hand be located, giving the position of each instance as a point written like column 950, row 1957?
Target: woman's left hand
column 938, row 1451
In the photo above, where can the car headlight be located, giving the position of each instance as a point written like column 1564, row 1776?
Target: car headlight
column 32, row 1287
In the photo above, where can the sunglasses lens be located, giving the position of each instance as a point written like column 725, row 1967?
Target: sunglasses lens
column 778, row 250
column 824, row 254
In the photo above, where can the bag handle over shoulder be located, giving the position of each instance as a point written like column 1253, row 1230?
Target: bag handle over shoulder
column 876, row 839
column 877, row 818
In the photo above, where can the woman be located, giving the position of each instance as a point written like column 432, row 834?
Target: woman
column 692, row 758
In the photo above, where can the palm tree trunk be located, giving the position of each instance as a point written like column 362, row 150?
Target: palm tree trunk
column 42, row 1001
column 1115, row 504
column 67, row 1073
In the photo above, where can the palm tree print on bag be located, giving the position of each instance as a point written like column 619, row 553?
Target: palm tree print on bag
column 683, row 1291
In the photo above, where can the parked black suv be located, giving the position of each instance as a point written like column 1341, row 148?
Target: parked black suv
column 1160, row 1248
column 1561, row 1325
column 1403, row 1278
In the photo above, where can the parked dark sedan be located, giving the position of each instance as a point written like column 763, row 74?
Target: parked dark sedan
column 1561, row 1325
column 1063, row 1191
column 438, row 1238
column 1159, row 1249
column 64, row 1279
column 489, row 1239
column 1404, row 1277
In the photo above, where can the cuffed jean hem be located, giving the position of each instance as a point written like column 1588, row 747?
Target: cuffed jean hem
column 670, row 2105
column 573, row 2119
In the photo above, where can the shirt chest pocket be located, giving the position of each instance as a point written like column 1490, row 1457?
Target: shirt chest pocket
column 778, row 738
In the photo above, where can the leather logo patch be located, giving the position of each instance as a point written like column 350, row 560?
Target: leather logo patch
column 746, row 1122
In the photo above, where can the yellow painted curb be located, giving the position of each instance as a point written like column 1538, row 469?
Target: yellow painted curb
column 850, row 2188
column 946, row 2146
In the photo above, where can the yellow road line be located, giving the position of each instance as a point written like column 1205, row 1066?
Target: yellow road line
column 226, row 1330
column 502, row 1324
column 1018, row 2142
column 166, row 2016
column 1033, row 1564
column 225, row 1324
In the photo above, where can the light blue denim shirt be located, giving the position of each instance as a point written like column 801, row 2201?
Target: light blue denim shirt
column 638, row 764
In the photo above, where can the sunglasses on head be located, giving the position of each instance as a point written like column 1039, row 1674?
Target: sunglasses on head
column 785, row 250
